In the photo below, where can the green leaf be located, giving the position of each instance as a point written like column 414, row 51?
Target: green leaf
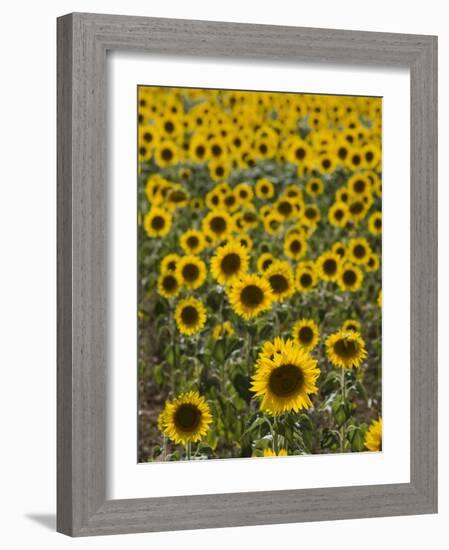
column 357, row 440
column 158, row 377
column 242, row 385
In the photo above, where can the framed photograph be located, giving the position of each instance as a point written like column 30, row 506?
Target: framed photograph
column 247, row 274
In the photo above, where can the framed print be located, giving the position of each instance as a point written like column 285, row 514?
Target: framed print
column 246, row 274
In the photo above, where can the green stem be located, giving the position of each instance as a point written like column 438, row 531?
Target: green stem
column 188, row 450
column 343, row 396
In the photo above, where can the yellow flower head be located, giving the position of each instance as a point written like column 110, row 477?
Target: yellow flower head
column 285, row 379
column 351, row 324
column 345, row 349
column 191, row 271
column 192, row 241
column 295, row 246
column 186, row 419
column 280, row 277
column 306, row 334
column 338, row 214
column 168, row 284
column 269, row 453
column 306, row 277
column 223, row 329
column 375, row 223
column 328, row 266
column 250, row 296
column 373, row 437
column 350, row 278
column 157, row 222
column 218, row 224
column 264, row 261
column 190, row 316
column 264, row 189
column 359, row 250
column 169, row 263
column 229, row 262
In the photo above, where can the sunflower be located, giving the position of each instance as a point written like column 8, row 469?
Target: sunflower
column 285, row 208
column 168, row 284
column 192, row 241
column 264, row 189
column 312, row 214
column 169, row 263
column 197, row 204
column 176, row 197
column 306, row 277
column 186, row 419
column 327, row 265
column 244, row 239
column 191, row 271
column 351, row 324
column 223, row 329
column 375, row 223
column 339, row 248
column 359, row 250
column 350, row 278
column 379, row 298
column 315, row 187
column 295, row 246
column 280, row 277
column 268, row 453
column 371, row 155
column 157, row 222
column 286, row 380
column 358, row 184
column 306, row 334
column 373, row 437
column 190, row 316
column 218, row 224
column 229, row 262
column 273, row 223
column 166, row 154
column 345, row 349
column 264, row 261
column 372, row 262
column 358, row 208
column 244, row 192
column 250, row 296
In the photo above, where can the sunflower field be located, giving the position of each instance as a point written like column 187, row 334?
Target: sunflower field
column 259, row 274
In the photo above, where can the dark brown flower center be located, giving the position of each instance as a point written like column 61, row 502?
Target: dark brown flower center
column 305, row 280
column 359, row 186
column 230, row 264
column 252, row 296
column 187, row 418
column 295, row 246
column 190, row 272
column 278, row 283
column 359, row 251
column 167, row 154
column 285, row 208
column 330, row 266
column 169, row 283
column 345, row 349
column 286, row 380
column 190, row 316
column 349, row 277
column 305, row 335
column 218, row 225
column 157, row 223
column 192, row 242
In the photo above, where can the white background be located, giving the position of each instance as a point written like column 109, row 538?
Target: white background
column 131, row 480
column 27, row 290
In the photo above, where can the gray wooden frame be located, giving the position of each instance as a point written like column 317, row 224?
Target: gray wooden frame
column 83, row 40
